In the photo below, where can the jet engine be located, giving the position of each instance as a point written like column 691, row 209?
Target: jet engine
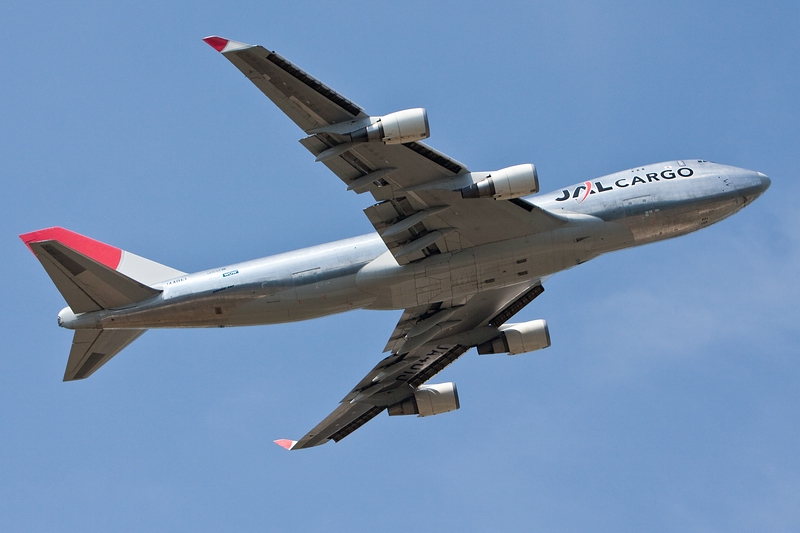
column 518, row 338
column 505, row 184
column 395, row 128
column 433, row 399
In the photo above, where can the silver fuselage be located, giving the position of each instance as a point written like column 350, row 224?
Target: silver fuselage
column 617, row 211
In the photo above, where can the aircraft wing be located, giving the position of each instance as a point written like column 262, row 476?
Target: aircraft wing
column 414, row 219
column 426, row 340
column 420, row 211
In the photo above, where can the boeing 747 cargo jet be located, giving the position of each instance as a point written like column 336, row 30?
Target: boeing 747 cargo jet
column 459, row 251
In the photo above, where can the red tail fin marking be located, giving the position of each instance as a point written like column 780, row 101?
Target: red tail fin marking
column 100, row 252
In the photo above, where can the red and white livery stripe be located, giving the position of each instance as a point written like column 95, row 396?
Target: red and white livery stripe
column 101, row 252
column 134, row 266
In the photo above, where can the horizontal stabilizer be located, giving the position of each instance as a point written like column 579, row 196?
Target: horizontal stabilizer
column 92, row 348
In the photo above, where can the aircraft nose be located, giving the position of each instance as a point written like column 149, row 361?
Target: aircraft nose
column 765, row 181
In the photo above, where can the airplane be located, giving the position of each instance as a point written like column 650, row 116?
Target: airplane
column 460, row 252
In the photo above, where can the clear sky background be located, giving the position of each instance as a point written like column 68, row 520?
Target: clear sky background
column 669, row 399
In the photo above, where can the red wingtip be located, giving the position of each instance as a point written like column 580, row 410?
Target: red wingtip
column 217, row 43
column 286, row 443
column 99, row 251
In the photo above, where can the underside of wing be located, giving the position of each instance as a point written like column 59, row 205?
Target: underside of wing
column 308, row 102
column 427, row 339
column 428, row 203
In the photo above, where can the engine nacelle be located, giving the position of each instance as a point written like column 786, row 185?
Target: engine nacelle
column 518, row 338
column 433, row 399
column 505, row 184
column 395, row 128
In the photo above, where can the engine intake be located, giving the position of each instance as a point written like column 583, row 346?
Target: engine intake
column 518, row 338
column 395, row 128
column 505, row 184
column 433, row 399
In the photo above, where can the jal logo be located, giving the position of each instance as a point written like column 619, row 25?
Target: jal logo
column 582, row 191
column 587, row 187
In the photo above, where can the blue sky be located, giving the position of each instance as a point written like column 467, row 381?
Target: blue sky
column 668, row 402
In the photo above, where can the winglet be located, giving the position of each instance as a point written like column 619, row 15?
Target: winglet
column 286, row 443
column 221, row 44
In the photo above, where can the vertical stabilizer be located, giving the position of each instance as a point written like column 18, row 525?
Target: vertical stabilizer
column 92, row 275
column 138, row 268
